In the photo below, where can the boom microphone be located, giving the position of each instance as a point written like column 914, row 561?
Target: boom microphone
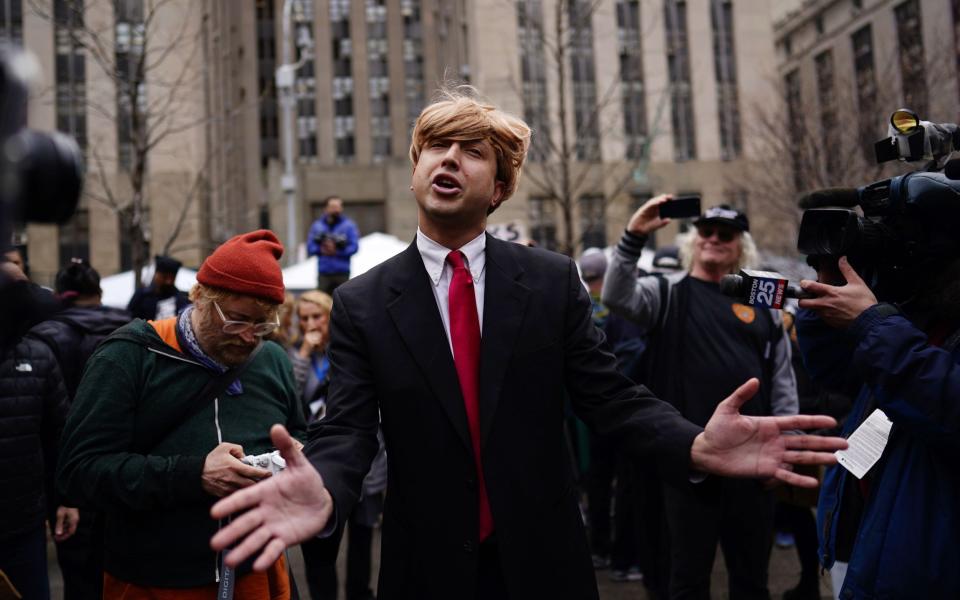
column 848, row 197
column 761, row 288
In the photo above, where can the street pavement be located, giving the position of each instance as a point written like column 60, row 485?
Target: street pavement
column 784, row 574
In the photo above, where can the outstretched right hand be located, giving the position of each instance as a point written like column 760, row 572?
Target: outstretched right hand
column 281, row 511
column 647, row 218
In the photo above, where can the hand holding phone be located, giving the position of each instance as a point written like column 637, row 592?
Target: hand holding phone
column 681, row 207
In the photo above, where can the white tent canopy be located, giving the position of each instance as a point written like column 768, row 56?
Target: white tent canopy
column 373, row 249
column 118, row 289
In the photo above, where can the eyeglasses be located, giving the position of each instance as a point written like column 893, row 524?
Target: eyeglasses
column 238, row 327
column 723, row 234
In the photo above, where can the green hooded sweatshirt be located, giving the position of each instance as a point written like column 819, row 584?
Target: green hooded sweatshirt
column 157, row 515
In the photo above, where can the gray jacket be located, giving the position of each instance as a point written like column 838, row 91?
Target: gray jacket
column 639, row 299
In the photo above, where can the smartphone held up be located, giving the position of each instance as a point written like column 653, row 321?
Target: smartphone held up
column 681, row 207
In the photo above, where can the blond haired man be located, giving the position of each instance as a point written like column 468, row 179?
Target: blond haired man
column 464, row 345
column 152, row 446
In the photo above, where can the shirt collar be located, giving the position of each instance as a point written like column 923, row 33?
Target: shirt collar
column 434, row 256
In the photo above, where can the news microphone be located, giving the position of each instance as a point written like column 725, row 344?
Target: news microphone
column 761, row 288
column 848, row 197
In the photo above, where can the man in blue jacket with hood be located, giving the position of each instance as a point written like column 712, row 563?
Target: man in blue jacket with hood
column 333, row 240
column 898, row 525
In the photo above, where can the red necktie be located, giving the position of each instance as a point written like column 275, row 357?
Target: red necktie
column 465, row 336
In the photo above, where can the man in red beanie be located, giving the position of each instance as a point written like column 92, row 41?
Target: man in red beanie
column 164, row 414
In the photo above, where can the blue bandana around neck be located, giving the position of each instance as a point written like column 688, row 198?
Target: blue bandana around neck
column 192, row 347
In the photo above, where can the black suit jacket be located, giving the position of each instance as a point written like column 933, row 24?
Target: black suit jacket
column 389, row 353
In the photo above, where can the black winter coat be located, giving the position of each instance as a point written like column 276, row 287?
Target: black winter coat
column 73, row 335
column 33, row 406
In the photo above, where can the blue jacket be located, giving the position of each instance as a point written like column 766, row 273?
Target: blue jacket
column 345, row 230
column 908, row 541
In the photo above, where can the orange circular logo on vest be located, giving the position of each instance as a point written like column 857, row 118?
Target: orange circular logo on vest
column 744, row 313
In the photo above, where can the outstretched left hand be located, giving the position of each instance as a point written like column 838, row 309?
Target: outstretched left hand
column 735, row 445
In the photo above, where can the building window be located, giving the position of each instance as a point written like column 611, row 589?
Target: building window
column 866, row 81
column 593, row 222
column 542, row 217
column 74, row 238
column 266, row 84
column 829, row 123
column 130, row 79
column 11, row 22
column 912, row 68
column 379, row 79
column 533, row 74
column 70, row 71
column 583, row 77
column 343, row 121
column 681, row 91
column 631, row 78
column 793, row 99
column 414, row 88
column 725, row 70
column 305, row 83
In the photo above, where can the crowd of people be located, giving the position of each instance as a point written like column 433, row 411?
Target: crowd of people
column 179, row 448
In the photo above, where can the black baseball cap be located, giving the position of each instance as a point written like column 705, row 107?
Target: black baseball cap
column 166, row 264
column 725, row 215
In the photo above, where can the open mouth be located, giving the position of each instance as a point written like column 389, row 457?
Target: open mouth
column 446, row 184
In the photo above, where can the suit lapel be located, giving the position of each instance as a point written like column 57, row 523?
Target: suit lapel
column 413, row 309
column 505, row 302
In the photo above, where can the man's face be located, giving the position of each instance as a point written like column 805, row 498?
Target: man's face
column 227, row 348
column 164, row 282
column 455, row 182
column 717, row 246
column 15, row 257
column 333, row 209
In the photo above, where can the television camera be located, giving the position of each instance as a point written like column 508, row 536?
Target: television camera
column 906, row 225
column 40, row 180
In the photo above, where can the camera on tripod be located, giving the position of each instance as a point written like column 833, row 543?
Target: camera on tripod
column 908, row 223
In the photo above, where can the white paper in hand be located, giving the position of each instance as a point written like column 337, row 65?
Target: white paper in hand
column 866, row 444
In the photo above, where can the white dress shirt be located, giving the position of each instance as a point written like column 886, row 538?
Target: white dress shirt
column 434, row 258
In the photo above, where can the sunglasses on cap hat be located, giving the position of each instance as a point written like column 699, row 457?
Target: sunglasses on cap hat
column 724, row 234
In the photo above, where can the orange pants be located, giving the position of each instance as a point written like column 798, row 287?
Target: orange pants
column 272, row 584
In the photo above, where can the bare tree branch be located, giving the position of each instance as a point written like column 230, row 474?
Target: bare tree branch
column 150, row 104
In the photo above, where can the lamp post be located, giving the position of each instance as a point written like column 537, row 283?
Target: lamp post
column 285, row 78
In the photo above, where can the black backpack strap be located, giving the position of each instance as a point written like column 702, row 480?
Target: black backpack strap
column 664, row 298
column 213, row 388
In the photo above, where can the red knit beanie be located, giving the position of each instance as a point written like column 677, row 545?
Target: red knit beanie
column 246, row 264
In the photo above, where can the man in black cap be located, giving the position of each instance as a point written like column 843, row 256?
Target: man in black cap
column 161, row 299
column 701, row 345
